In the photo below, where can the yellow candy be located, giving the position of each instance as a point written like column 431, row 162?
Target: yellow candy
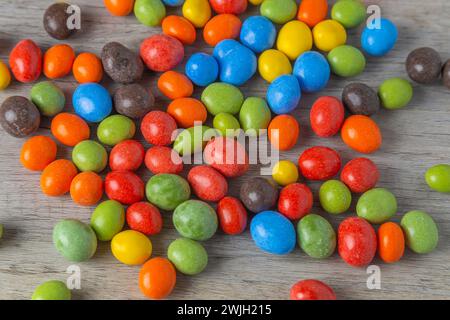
column 285, row 172
column 131, row 247
column 294, row 38
column 272, row 64
column 5, row 76
column 328, row 35
column 197, row 11
column 256, row 2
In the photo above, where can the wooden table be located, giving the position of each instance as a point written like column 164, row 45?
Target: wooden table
column 414, row 139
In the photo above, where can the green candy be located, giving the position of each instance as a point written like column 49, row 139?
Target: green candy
column 48, row 97
column 421, row 232
column 316, row 236
column 395, row 93
column 279, row 11
column 1, row 230
column 254, row 116
column 335, row 197
column 108, row 219
column 193, row 140
column 226, row 124
column 377, row 205
column 195, row 220
column 89, row 155
column 52, row 290
column 221, row 97
column 167, row 191
column 349, row 13
column 115, row 129
column 438, row 178
column 149, row 12
column 74, row 240
column 346, row 61
column 188, row 256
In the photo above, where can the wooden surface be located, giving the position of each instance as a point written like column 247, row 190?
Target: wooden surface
column 414, row 139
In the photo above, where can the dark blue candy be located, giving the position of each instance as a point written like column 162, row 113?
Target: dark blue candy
column 92, row 102
column 258, row 33
column 312, row 71
column 202, row 69
column 284, row 94
column 273, row 232
column 378, row 42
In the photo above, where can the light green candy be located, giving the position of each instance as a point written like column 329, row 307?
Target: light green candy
column 421, row 232
column 220, row 97
column 167, row 191
column 1, row 230
column 115, row 129
column 149, row 12
column 346, row 61
column 188, row 256
column 349, row 13
column 377, row 205
column 335, row 197
column 226, row 124
column 254, row 116
column 316, row 236
column 279, row 11
column 395, row 93
column 108, row 219
column 195, row 220
column 90, row 155
column 52, row 290
column 193, row 140
column 438, row 178
column 48, row 97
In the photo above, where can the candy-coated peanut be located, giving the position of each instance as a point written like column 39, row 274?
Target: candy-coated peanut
column 232, row 215
column 179, row 28
column 58, row 61
column 48, row 97
column 149, row 12
column 52, row 290
column 328, row 35
column 124, row 186
column 395, row 93
column 198, row 12
column 187, row 112
column 108, row 219
column 279, row 11
column 157, row 278
column 346, row 61
column 360, row 175
column 38, row 152
column 377, row 205
column 145, row 218
column 316, row 236
column 438, row 178
column 421, row 232
column 188, row 256
column 131, row 247
column 295, row 201
column 319, row 163
column 119, row 7
column 167, row 191
column 175, row 85
column 312, row 12
column 391, row 242
column 350, row 13
column 90, row 155
column 283, row 132
column 335, row 197
column 221, row 27
column 294, row 38
column 57, row 177
column 285, row 172
column 127, row 155
column 5, row 76
column 69, row 129
column 87, row 67
column 86, row 188
column 362, row 134
column 327, row 116
column 25, row 61
column 311, row 289
column 272, row 64
column 196, row 220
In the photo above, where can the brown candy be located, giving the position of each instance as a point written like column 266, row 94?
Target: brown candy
column 446, row 74
column 19, row 117
column 133, row 100
column 424, row 65
column 121, row 64
column 258, row 194
column 360, row 99
column 55, row 21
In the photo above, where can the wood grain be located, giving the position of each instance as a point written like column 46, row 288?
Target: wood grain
column 414, row 139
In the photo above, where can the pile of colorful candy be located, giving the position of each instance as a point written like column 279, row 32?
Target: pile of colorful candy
column 291, row 69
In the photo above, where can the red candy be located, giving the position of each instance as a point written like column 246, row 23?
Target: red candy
column 227, row 156
column 319, row 163
column 229, row 6
column 327, row 116
column 360, row 175
column 232, row 215
column 162, row 52
column 163, row 160
column 295, row 201
column 128, row 155
column 158, row 128
column 145, row 218
column 312, row 290
column 357, row 242
column 208, row 184
column 124, row 186
column 25, row 61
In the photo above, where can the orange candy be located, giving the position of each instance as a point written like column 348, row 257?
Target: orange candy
column 391, row 242
column 175, row 85
column 87, row 67
column 283, row 132
column 86, row 188
column 361, row 133
column 69, row 129
column 58, row 61
column 312, row 12
column 186, row 111
column 38, row 152
column 57, row 177
column 221, row 27
column 157, row 278
column 179, row 28
column 119, row 7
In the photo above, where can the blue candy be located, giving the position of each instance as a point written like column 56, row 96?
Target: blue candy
column 173, row 3
column 378, row 42
column 312, row 71
column 284, row 94
column 202, row 69
column 258, row 33
column 92, row 102
column 273, row 232
column 237, row 62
